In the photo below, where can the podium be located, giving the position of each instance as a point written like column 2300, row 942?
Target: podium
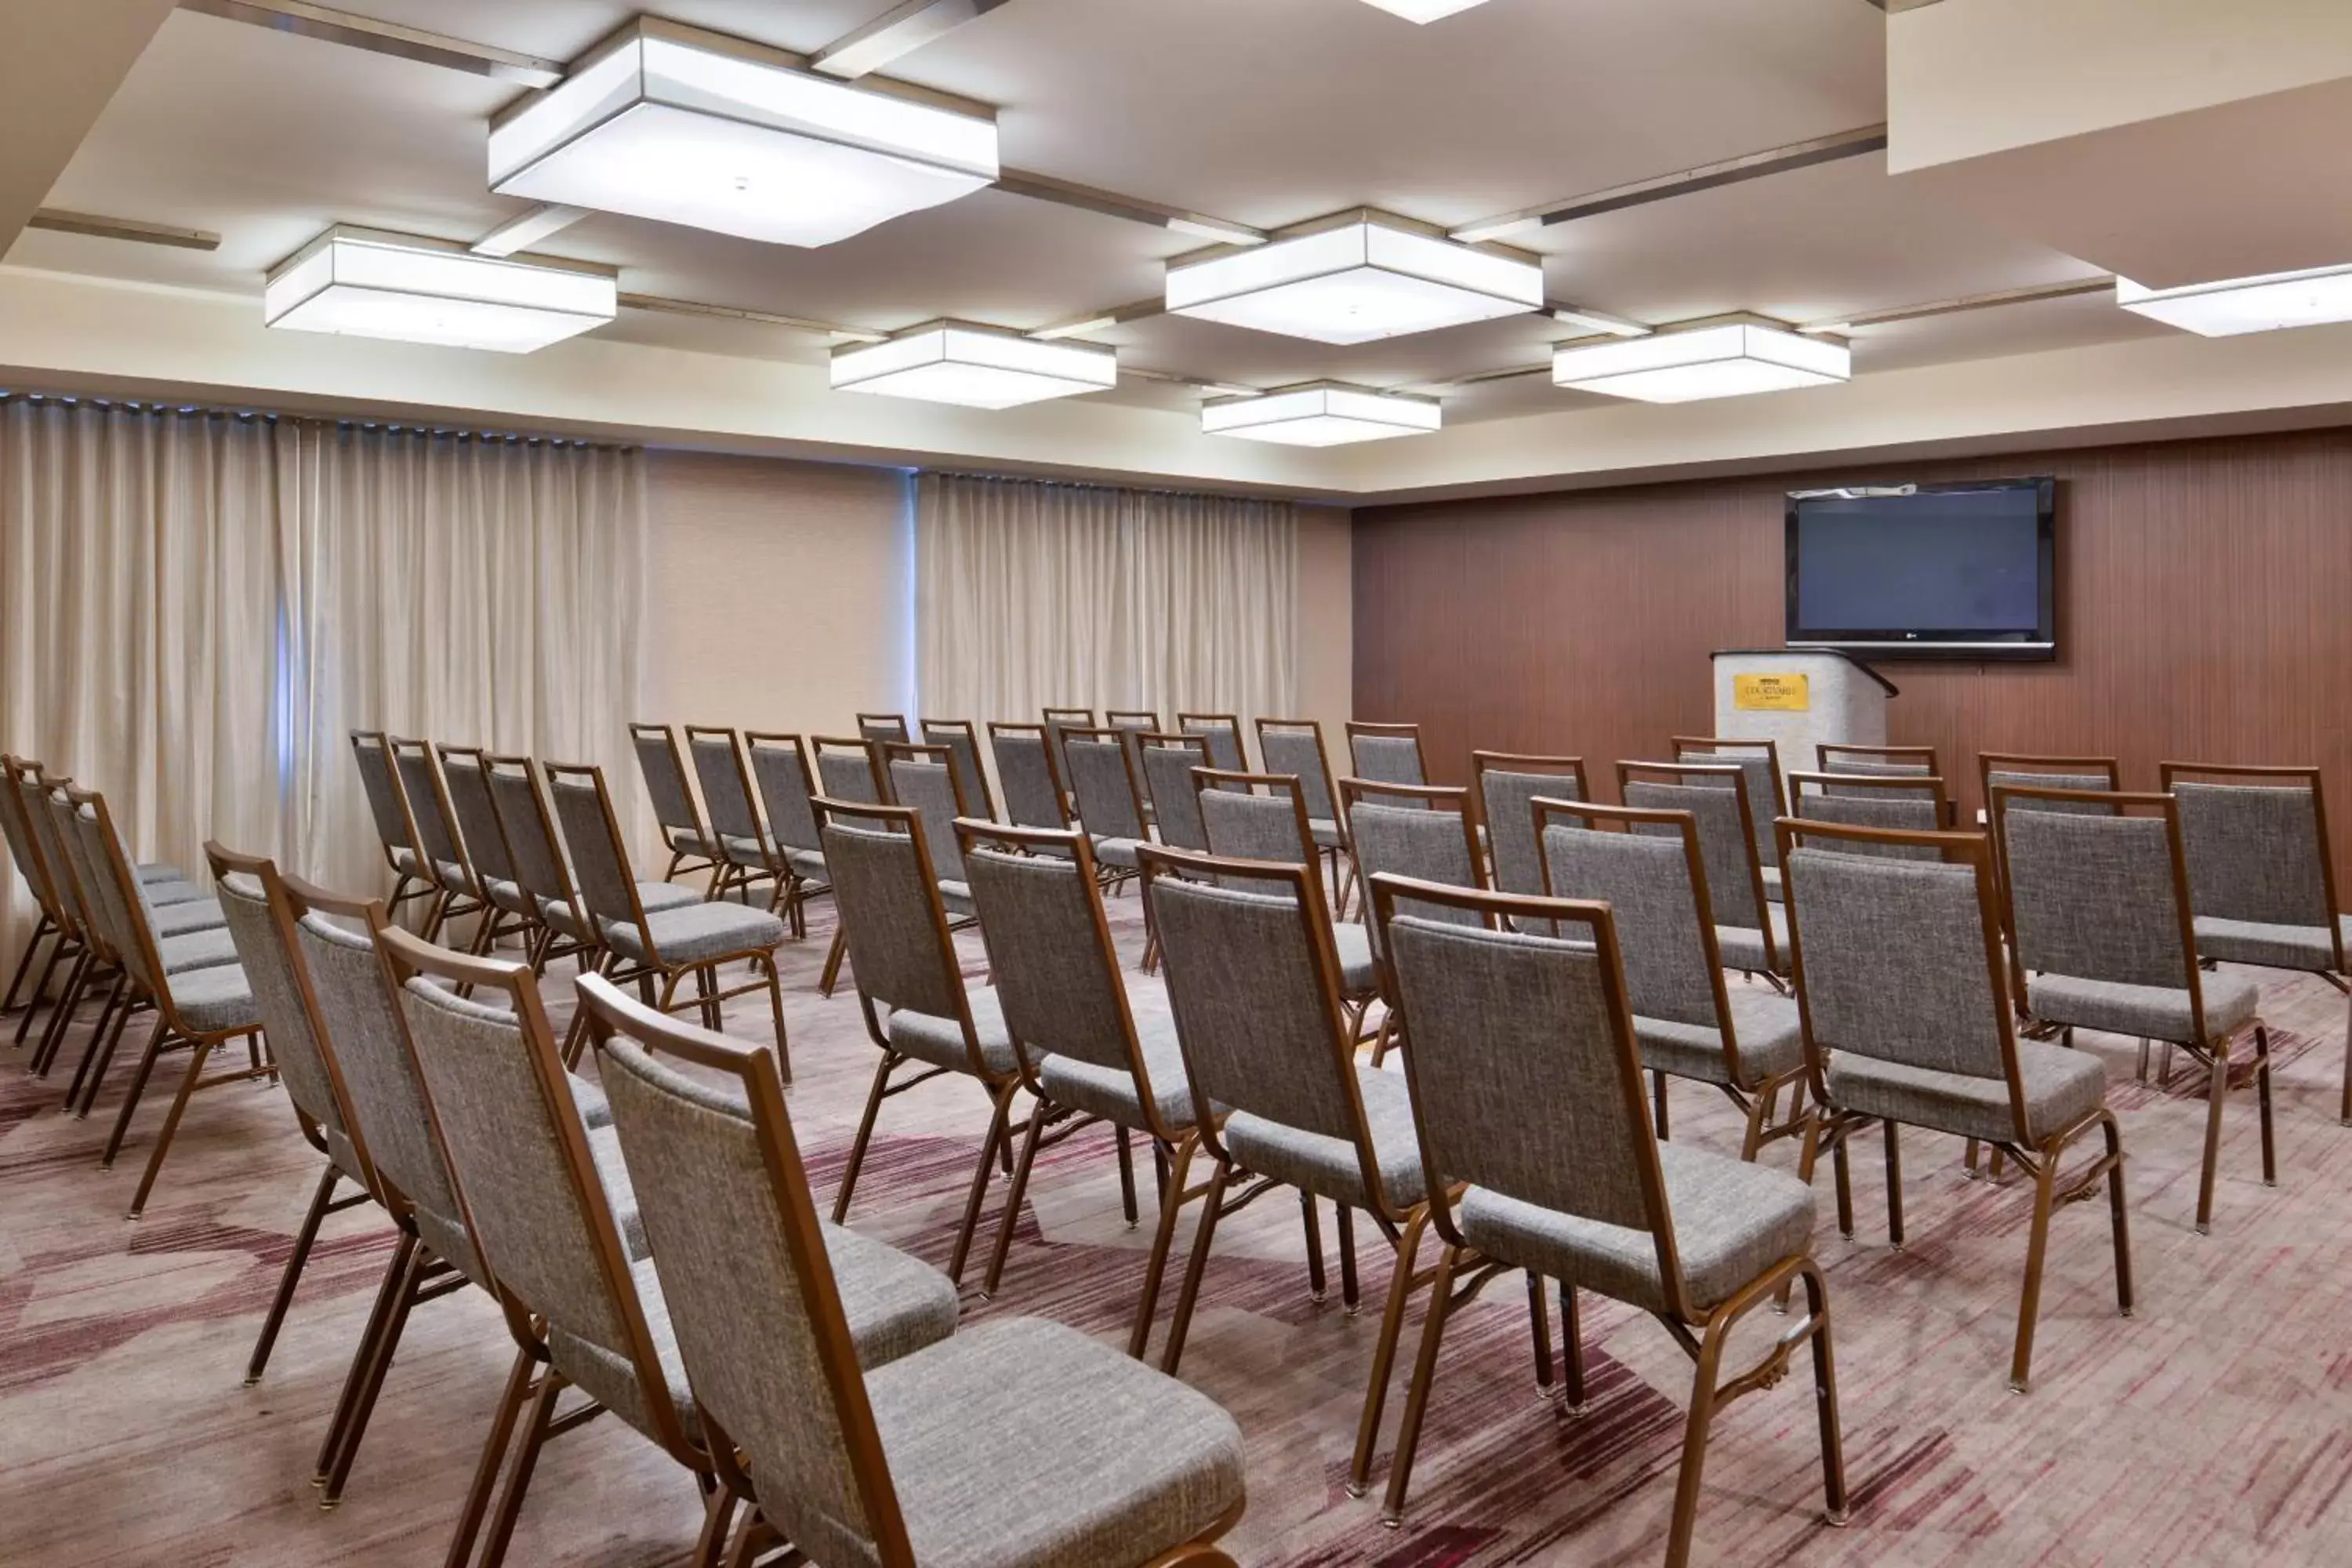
column 1800, row 698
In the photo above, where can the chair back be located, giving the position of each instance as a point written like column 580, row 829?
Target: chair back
column 962, row 742
column 1058, row 720
column 53, row 814
column 1241, row 824
column 599, row 857
column 1759, row 763
column 1222, row 732
column 1102, row 782
column 1877, row 761
column 1295, row 747
column 1646, row 865
column 1906, row 803
column 24, row 841
column 465, row 775
column 899, row 949
column 1030, row 773
column 1507, row 785
column 880, row 728
column 530, row 828
column 780, row 766
column 848, row 770
column 923, row 778
column 1254, row 985
column 388, row 807
column 1526, row 1081
column 1167, row 764
column 113, row 888
column 734, row 1229
column 2096, row 897
column 1717, row 800
column 727, row 798
column 665, row 786
column 2073, row 774
column 1424, row 833
column 542, row 1218
column 2256, row 842
column 1899, row 958
column 429, row 809
column 1132, row 725
column 1386, row 754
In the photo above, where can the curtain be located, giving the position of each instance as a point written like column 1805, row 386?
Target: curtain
column 1032, row 595
column 196, row 609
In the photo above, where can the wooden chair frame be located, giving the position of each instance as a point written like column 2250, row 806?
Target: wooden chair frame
column 468, row 897
column 1205, row 723
column 939, row 732
column 520, row 919
column 734, row 876
column 1343, row 850
column 1112, row 876
column 1453, row 798
column 679, row 859
column 1045, row 740
column 792, row 891
column 884, row 727
column 402, row 893
column 1678, row 773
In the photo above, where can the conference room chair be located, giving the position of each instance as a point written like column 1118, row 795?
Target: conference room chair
column 1646, row 865
column 1100, row 769
column 196, row 1008
column 1386, row 753
column 1295, row 747
column 923, row 778
column 1751, row 927
column 672, row 798
column 890, row 1442
column 1243, row 824
column 1090, row 1047
column 54, row 920
column 779, row 767
column 2075, row 775
column 918, row 1011
column 1279, row 1098
column 2100, row 938
column 2262, row 878
column 1759, row 763
column 445, row 864
column 1030, row 771
column 1222, row 732
column 1571, row 1182
column 1907, row 803
column 962, row 737
column 661, row 947
column 1907, row 1022
column 509, row 911
column 395, row 828
column 1056, row 719
column 847, row 770
column 1426, row 832
column 1132, row 725
column 1877, row 762
column 739, row 839
column 1166, row 767
column 881, row 728
column 544, row 873
column 93, row 967
column 1507, row 785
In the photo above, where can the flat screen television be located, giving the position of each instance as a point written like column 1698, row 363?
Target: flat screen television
column 1950, row 571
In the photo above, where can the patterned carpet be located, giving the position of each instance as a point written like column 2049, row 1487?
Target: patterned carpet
column 2215, row 1426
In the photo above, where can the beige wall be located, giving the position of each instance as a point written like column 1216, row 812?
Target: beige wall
column 1326, row 653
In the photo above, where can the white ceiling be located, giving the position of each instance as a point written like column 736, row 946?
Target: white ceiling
column 1266, row 112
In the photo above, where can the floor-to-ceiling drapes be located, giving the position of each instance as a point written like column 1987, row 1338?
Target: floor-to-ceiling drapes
column 196, row 607
column 1032, row 595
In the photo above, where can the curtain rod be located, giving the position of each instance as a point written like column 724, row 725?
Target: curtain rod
column 1099, row 485
column 338, row 422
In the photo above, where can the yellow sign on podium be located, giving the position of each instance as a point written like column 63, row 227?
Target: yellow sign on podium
column 1771, row 693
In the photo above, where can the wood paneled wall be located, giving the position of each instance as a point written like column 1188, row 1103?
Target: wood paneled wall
column 2204, row 613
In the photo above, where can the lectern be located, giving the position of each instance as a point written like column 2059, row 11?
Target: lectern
column 1801, row 698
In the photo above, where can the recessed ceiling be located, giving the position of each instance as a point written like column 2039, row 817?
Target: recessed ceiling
column 1263, row 112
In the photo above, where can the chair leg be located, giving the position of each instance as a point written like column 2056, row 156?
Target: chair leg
column 494, row 1453
column 1194, row 1266
column 41, row 929
column 1571, row 1348
column 2262, row 1103
column 2217, row 1091
column 766, row 961
column 58, row 955
column 161, row 1032
column 718, row 1516
column 1172, row 1203
column 1539, row 1325
column 1348, row 1297
column 1894, row 1184
column 1825, row 1403
column 832, row 956
column 2037, row 1246
column 1013, row 1198
column 1658, row 1093
column 526, row 1459
column 303, row 1238
column 2117, row 1214
column 1416, row 1399
column 81, row 1089
column 196, row 1057
column 1126, row 1176
column 865, row 1136
column 61, row 1012
column 997, row 1122
column 396, row 1274
column 1308, row 1217
column 347, row 1450
column 1694, row 1432
column 1400, row 1287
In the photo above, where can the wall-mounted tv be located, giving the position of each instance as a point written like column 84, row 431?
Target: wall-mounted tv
column 1949, row 570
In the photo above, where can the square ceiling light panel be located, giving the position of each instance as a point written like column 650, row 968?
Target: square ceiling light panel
column 687, row 127
column 1325, row 416
column 2236, row 305
column 364, row 284
column 1425, row 10
column 979, row 367
column 1729, row 360
column 1356, row 282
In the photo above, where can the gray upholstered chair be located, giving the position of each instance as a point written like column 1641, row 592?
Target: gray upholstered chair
column 446, row 866
column 1295, row 747
column 848, row 769
column 510, row 911
column 884, row 727
column 543, row 874
column 1507, row 785
column 1168, row 761
column 1759, row 763
column 1018, row 1442
column 1056, row 719
column 54, row 920
column 682, row 830
column 1527, row 1094
column 1133, row 724
column 81, row 944
column 2072, row 774
column 1278, row 1097
column 1899, row 973
column 962, row 737
column 1386, row 753
column 923, row 778
column 779, row 767
column 1100, row 768
column 910, row 988
column 1905, row 803
column 1427, row 832
column 1222, row 733
column 1030, row 773
column 388, row 808
column 1264, row 817
column 1647, row 866
column 2100, row 938
column 2261, row 876
column 1091, row 1047
column 738, row 837
column 1877, row 761
column 1751, row 927
column 661, row 946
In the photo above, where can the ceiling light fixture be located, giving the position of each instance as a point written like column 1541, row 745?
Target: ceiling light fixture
column 366, row 284
column 979, row 367
column 1424, row 10
column 2235, row 305
column 1725, row 360
column 1365, row 277
column 673, row 124
column 1325, row 414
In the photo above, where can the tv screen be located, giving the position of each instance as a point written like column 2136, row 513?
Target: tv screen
column 1961, row 570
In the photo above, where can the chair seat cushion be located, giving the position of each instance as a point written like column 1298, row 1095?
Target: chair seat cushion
column 403, row 860
column 1765, row 1026
column 1742, row 947
column 454, row 877
column 589, row 1099
column 1110, row 1093
column 2156, row 1012
column 939, row 1041
column 215, row 999
column 1732, row 1221
column 1025, row 1443
column 687, row 840
column 1326, row 833
column 1353, row 945
column 2269, row 946
column 807, row 864
column 654, row 895
column 1116, row 851
column 2061, row 1087
column 1329, row 1167
column 749, row 853
column 197, row 949
column 896, row 1303
column 697, row 933
column 170, row 892
column 150, row 871
column 510, row 897
column 179, row 919
column 956, row 898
